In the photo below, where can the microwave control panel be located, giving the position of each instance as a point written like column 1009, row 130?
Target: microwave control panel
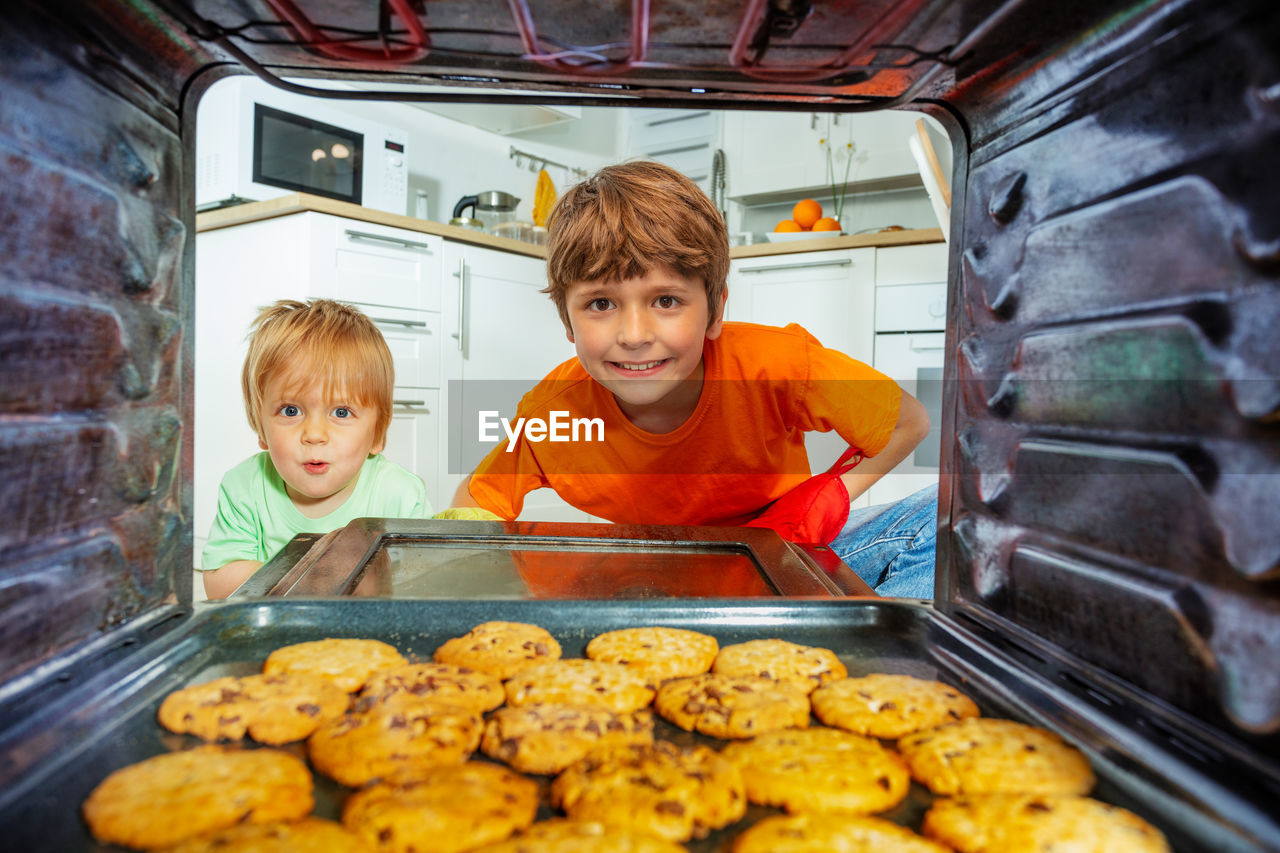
column 392, row 178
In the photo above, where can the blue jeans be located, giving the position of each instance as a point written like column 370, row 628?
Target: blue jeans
column 893, row 546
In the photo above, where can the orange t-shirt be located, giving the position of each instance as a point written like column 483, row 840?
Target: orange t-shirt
column 763, row 388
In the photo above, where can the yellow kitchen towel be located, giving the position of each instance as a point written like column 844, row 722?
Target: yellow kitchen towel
column 544, row 198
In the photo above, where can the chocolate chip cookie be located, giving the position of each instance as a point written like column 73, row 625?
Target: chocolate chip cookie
column 345, row 662
column 1037, row 823
column 442, row 809
column 657, row 652
column 660, row 790
column 580, row 682
column 728, row 707
column 981, row 755
column 815, row 832
column 180, row 795
column 500, row 648
column 272, row 709
column 548, row 738
column 360, row 747
column 805, row 667
column 412, row 683
column 820, row 769
column 889, row 706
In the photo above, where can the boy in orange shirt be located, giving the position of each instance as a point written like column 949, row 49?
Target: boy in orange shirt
column 702, row 421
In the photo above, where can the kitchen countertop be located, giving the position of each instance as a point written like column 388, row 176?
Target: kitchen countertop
column 300, row 202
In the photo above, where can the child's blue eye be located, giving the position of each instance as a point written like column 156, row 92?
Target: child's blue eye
column 290, row 411
column 342, row 412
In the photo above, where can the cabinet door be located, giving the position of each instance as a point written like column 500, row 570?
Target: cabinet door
column 413, row 439
column 784, row 152
column 773, row 151
column 391, row 274
column 685, row 140
column 375, row 264
column 504, row 336
column 911, row 311
column 830, row 294
column 238, row 271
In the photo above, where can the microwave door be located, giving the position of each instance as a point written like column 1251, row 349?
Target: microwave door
column 297, row 153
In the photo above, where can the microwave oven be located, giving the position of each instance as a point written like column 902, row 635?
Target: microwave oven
column 255, row 142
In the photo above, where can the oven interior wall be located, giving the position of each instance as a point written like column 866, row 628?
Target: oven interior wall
column 1112, row 457
column 1116, row 404
column 93, row 320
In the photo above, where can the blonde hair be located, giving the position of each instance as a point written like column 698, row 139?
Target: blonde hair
column 630, row 218
column 332, row 342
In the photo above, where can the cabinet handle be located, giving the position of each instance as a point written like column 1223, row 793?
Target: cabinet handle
column 687, row 117
column 461, row 334
column 408, row 404
column 381, row 238
column 680, row 149
column 916, row 345
column 840, row 263
column 391, row 321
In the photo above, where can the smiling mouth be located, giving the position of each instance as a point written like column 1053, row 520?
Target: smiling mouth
column 638, row 366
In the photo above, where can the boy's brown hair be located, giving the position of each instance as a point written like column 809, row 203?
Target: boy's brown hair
column 319, row 340
column 629, row 218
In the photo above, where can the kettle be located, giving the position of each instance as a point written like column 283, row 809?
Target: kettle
column 491, row 208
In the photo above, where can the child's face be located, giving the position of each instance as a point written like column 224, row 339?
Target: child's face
column 317, row 441
column 642, row 339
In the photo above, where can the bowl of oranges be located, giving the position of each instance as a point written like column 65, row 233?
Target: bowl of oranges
column 806, row 221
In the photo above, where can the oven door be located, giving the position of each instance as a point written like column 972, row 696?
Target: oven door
column 914, row 360
column 446, row 559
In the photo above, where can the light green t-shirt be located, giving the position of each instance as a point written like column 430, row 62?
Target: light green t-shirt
column 256, row 518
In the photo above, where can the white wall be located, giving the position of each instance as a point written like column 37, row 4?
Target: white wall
column 450, row 160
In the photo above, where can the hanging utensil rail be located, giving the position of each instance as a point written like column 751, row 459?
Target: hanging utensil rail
column 537, row 162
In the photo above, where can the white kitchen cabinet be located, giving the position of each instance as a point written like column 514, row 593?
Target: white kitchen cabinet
column 910, row 347
column 685, row 140
column 830, row 294
column 503, row 336
column 391, row 274
column 775, row 153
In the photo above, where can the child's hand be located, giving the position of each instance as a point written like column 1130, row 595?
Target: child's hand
column 816, row 510
column 468, row 513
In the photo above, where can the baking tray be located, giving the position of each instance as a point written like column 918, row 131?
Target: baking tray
column 60, row 743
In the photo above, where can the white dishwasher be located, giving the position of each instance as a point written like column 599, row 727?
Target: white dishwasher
column 910, row 342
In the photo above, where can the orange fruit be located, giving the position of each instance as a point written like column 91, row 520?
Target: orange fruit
column 826, row 223
column 787, row 225
column 806, row 212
